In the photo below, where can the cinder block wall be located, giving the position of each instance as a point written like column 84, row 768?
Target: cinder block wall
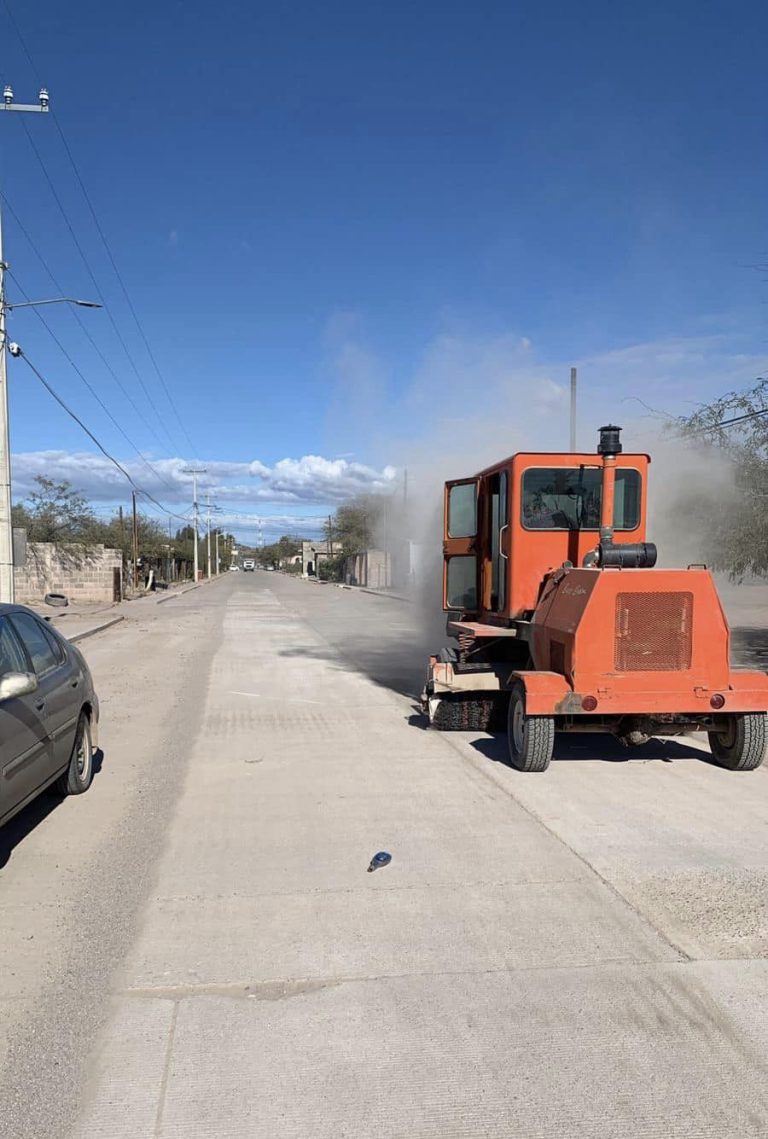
column 372, row 569
column 85, row 575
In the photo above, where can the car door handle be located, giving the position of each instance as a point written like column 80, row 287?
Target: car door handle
column 75, row 683
column 40, row 705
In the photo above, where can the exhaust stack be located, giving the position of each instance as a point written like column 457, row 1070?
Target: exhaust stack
column 609, row 447
column 628, row 555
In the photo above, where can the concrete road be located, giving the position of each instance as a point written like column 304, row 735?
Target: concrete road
column 195, row 948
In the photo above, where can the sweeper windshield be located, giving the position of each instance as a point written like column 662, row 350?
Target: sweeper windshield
column 568, row 498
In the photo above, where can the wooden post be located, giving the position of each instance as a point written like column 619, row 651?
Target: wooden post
column 122, row 551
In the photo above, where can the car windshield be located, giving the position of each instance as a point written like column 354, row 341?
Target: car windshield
column 569, row 498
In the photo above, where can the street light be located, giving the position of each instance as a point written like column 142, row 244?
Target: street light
column 53, row 301
column 7, row 588
column 7, row 592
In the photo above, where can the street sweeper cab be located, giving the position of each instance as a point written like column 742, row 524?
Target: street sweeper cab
column 563, row 623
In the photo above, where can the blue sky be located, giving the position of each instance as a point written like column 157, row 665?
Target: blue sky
column 327, row 214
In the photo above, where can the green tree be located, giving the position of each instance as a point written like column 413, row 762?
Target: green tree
column 734, row 521
column 56, row 512
column 267, row 555
column 280, row 551
column 152, row 537
column 184, row 549
column 331, row 569
column 354, row 524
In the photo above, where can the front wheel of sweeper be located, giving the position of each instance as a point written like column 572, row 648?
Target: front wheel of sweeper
column 531, row 738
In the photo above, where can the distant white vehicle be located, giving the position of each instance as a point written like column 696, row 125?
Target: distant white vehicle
column 249, row 565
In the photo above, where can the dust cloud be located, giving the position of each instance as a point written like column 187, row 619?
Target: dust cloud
column 688, row 487
column 454, row 443
column 470, row 403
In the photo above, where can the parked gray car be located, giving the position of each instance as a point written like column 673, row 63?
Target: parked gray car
column 49, row 712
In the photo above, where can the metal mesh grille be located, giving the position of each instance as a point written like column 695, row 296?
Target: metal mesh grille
column 653, row 632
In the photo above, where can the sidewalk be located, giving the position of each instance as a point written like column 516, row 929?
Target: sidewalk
column 77, row 622
column 391, row 594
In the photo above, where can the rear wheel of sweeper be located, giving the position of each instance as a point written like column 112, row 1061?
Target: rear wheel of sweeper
column 741, row 746
column 531, row 738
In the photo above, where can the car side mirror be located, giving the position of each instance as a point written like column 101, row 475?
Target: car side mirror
column 17, row 684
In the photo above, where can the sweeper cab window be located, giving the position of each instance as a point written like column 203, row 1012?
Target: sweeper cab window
column 568, row 498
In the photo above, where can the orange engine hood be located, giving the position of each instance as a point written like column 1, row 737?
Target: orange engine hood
column 632, row 631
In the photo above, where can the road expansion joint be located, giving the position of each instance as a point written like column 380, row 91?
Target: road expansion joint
column 320, row 891
column 166, row 1072
column 281, row 988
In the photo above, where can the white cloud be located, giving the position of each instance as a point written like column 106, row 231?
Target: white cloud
column 469, row 400
column 308, row 481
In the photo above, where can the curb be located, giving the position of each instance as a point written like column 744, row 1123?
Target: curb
column 96, row 629
column 381, row 593
column 362, row 589
column 179, row 593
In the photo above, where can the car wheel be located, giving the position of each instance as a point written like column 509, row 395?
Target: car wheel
column 77, row 778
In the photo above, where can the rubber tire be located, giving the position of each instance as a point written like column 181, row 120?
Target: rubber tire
column 57, row 600
column 743, row 748
column 73, row 781
column 538, row 736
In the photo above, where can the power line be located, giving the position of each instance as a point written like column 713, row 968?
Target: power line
column 140, row 490
column 121, row 282
column 727, row 422
column 102, row 235
column 92, row 275
column 76, row 316
column 89, row 386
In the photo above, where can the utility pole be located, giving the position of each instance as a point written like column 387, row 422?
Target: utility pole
column 122, row 547
column 7, row 591
column 573, row 409
column 217, row 553
column 135, row 542
column 195, row 471
column 208, row 543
